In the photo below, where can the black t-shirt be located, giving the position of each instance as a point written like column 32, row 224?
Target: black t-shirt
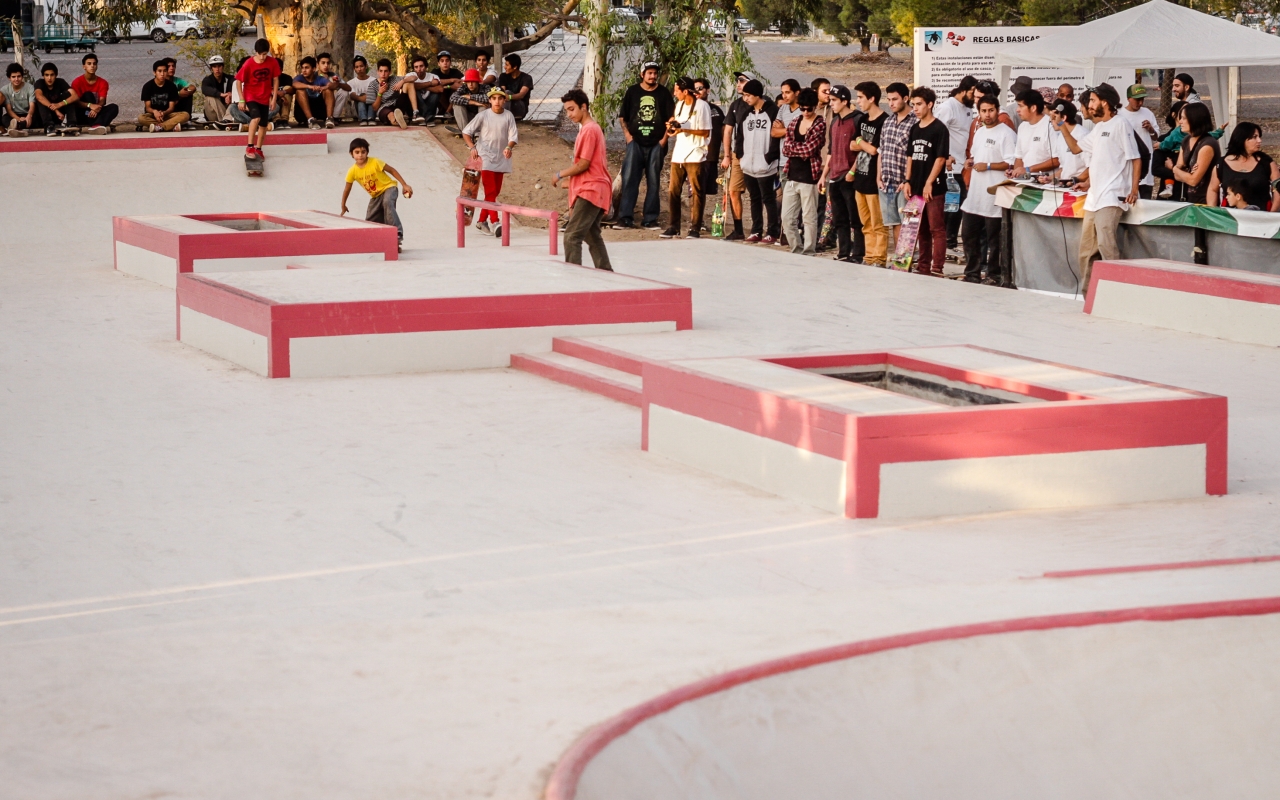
column 448, row 75
column 734, row 117
column 926, row 144
column 646, row 113
column 514, row 85
column 159, row 97
column 717, row 134
column 212, row 87
column 1254, row 186
column 59, row 91
column 865, row 164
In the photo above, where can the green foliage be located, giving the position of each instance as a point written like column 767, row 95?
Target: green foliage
column 678, row 39
column 386, row 40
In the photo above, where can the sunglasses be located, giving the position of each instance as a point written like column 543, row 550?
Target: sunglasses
column 806, row 108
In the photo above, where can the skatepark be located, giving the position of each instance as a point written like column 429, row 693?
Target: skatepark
column 456, row 580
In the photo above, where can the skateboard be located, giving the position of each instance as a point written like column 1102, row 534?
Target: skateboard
column 904, row 254
column 253, row 166
column 470, row 183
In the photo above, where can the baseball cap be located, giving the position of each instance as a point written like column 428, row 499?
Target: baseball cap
column 754, row 87
column 841, row 92
column 216, row 60
column 746, row 75
column 1136, row 90
column 444, row 54
column 650, row 65
column 472, row 75
column 496, row 90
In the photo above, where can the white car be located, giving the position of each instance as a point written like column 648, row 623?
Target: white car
column 157, row 31
column 188, row 26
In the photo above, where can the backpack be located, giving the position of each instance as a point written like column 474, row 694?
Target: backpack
column 1144, row 156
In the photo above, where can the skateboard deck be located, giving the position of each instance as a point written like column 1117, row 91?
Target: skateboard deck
column 253, row 166
column 470, row 183
column 904, row 254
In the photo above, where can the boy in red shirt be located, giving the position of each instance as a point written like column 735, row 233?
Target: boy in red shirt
column 590, row 187
column 92, row 92
column 258, row 80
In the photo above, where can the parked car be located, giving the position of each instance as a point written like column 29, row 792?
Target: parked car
column 157, row 31
column 188, row 26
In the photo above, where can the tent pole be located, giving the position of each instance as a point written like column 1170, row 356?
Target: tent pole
column 1233, row 96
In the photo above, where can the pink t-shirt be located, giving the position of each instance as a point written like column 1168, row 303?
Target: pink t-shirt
column 595, row 186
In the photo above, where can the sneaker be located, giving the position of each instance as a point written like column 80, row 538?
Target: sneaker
column 271, row 126
column 418, row 119
column 154, row 128
column 652, row 226
column 734, row 236
column 431, row 123
column 483, row 226
column 241, row 127
column 669, row 233
column 694, row 234
column 768, row 240
column 331, row 123
column 259, row 153
column 497, row 230
column 18, row 133
column 251, row 151
column 51, row 131
column 398, row 117
column 624, row 225
column 97, row 130
column 313, row 124
column 782, row 241
column 753, row 238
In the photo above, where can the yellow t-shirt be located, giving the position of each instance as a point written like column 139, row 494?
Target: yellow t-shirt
column 372, row 176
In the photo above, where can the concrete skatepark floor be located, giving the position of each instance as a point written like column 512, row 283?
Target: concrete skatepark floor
column 217, row 585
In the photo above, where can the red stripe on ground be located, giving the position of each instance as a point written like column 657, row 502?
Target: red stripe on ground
column 1220, row 562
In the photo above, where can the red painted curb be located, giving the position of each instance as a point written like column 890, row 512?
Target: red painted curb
column 563, row 784
column 1220, row 562
column 577, row 379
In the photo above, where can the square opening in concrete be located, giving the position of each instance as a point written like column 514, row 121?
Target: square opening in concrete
column 249, row 222
column 923, row 385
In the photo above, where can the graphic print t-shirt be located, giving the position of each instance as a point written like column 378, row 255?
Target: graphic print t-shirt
column 926, row 144
column 372, row 177
column 866, row 166
column 646, row 113
column 257, row 80
column 159, row 97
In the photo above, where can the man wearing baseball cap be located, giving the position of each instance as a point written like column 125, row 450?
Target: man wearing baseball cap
column 645, row 109
column 216, row 88
column 1143, row 121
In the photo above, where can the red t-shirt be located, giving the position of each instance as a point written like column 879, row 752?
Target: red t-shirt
column 99, row 88
column 257, row 79
column 595, row 186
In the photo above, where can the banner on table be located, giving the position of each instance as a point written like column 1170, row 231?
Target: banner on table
column 945, row 55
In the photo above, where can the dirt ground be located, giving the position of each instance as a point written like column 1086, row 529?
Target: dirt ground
column 850, row 69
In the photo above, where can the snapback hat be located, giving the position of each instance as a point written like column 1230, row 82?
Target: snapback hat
column 1136, row 90
column 746, row 75
column 216, row 60
column 841, row 92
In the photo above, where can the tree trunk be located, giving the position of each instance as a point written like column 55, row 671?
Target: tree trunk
column 1166, row 92
column 866, row 43
column 298, row 28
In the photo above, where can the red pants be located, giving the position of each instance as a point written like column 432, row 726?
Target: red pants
column 492, row 182
column 932, row 239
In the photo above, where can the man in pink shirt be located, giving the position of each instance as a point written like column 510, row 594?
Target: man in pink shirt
column 590, row 187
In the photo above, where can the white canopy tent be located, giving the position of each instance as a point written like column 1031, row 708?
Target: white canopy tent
column 1157, row 34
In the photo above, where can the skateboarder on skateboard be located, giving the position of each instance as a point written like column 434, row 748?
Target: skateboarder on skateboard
column 257, row 80
column 376, row 177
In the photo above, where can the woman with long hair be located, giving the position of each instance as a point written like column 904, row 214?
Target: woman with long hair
column 1247, row 168
column 1198, row 154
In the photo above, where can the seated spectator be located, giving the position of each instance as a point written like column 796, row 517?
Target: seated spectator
column 91, row 97
column 388, row 96
column 216, row 88
column 484, row 65
column 160, row 101
column 450, row 81
column 1246, row 169
column 519, row 86
column 186, row 90
column 1233, row 197
column 419, row 86
column 468, row 100
column 312, row 96
column 340, row 89
column 1198, row 155
column 18, row 101
column 362, row 92
column 55, row 101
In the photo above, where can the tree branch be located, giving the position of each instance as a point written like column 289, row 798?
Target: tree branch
column 437, row 39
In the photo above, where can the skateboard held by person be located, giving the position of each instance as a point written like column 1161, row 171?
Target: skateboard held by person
column 470, row 183
column 904, row 254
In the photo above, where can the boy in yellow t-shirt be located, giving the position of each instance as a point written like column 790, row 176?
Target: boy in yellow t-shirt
column 372, row 175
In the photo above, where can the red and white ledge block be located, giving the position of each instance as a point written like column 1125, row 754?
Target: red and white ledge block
column 1061, row 436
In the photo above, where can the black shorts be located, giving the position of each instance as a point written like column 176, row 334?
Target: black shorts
column 257, row 111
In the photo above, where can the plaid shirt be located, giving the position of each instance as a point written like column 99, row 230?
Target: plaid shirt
column 893, row 148
column 810, row 147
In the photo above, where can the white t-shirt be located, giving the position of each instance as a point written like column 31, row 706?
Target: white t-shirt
column 1071, row 165
column 1035, row 143
column 757, row 140
column 958, row 118
column 990, row 146
column 492, row 133
column 361, row 86
column 1111, row 148
column 1135, row 120
column 696, row 117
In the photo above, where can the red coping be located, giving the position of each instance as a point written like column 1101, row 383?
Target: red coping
column 282, row 322
column 1212, row 281
column 577, row 379
column 866, row 441
column 1219, row 562
column 154, row 142
column 563, row 784
column 299, row 239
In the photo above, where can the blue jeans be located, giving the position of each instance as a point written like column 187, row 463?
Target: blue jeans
column 364, row 111
column 647, row 161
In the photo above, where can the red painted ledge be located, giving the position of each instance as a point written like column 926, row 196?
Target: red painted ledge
column 563, row 784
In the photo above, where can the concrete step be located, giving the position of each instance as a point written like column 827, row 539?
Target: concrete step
column 599, row 354
column 615, row 384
